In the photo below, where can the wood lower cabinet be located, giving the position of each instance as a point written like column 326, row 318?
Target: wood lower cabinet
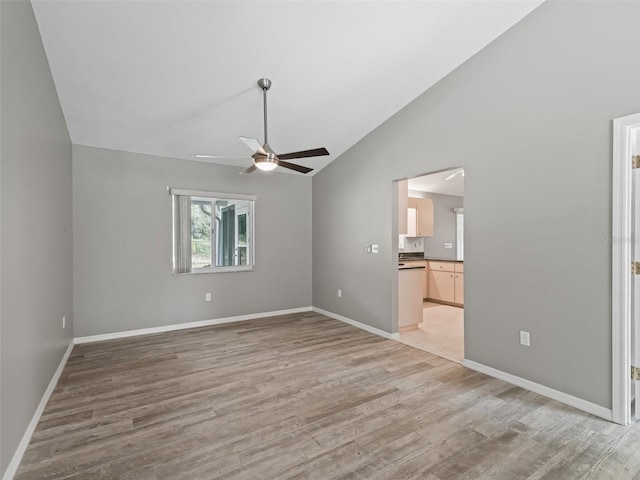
column 425, row 290
column 442, row 286
column 458, row 294
column 425, row 264
column 446, row 283
column 410, row 290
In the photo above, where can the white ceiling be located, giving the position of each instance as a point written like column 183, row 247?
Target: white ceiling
column 177, row 78
column 436, row 183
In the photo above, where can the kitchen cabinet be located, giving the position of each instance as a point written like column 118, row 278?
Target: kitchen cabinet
column 425, row 264
column 458, row 290
column 442, row 286
column 446, row 282
column 419, row 217
column 410, row 290
column 425, row 292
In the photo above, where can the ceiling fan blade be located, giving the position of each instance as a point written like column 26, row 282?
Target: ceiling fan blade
column 293, row 166
column 215, row 157
column 316, row 152
column 253, row 144
column 248, row 170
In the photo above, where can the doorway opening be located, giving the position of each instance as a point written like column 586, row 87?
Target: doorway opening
column 625, row 253
column 431, row 263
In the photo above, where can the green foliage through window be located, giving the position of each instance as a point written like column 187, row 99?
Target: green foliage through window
column 219, row 236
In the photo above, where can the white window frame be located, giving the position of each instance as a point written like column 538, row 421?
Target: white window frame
column 251, row 239
column 459, row 233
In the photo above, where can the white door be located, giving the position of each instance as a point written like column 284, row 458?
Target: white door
column 625, row 251
column 635, row 282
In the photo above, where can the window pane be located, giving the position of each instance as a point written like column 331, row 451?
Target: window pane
column 231, row 232
column 212, row 233
column 200, row 233
column 242, row 256
column 459, row 236
column 242, row 229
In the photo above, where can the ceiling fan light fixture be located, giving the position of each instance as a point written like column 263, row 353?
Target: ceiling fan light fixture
column 266, row 164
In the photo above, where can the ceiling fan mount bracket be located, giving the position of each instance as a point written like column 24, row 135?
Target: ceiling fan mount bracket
column 264, row 83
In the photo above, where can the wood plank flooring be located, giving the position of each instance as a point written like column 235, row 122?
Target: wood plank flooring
column 306, row 397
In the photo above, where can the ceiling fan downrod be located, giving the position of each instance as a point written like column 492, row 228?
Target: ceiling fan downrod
column 265, row 84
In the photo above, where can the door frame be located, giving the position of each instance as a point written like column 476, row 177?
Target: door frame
column 621, row 257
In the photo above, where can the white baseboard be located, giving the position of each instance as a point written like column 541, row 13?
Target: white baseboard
column 562, row 397
column 26, row 438
column 363, row 326
column 183, row 326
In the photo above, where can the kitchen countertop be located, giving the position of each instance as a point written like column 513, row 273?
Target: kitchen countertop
column 431, row 259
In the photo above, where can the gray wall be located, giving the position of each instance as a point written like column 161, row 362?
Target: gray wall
column 534, row 109
column 36, row 238
column 444, row 225
column 123, row 243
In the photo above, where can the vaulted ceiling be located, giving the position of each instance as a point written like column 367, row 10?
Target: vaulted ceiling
column 178, row 78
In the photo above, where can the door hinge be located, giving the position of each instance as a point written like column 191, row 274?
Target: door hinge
column 635, row 161
column 635, row 268
column 635, row 373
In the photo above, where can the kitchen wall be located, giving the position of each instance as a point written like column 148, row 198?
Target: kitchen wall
column 411, row 244
column 535, row 110
column 36, row 235
column 444, row 224
column 123, row 243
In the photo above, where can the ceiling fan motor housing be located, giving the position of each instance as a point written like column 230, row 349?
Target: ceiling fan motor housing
column 267, row 161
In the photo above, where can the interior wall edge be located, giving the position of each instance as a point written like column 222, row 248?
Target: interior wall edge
column 360, row 325
column 553, row 394
column 184, row 326
column 26, row 438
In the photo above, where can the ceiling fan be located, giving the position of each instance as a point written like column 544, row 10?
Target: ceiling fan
column 264, row 158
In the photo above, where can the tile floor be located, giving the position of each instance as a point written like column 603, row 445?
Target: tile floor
column 441, row 332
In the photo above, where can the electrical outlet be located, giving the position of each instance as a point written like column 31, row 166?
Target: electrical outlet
column 374, row 248
column 525, row 338
column 207, row 297
column 339, row 293
column 64, row 322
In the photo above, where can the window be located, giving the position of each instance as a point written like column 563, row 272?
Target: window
column 212, row 232
column 459, row 233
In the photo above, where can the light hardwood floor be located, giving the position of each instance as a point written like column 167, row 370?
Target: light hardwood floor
column 441, row 331
column 304, row 396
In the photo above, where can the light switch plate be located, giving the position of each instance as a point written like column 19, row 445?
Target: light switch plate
column 374, row 248
column 525, row 338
